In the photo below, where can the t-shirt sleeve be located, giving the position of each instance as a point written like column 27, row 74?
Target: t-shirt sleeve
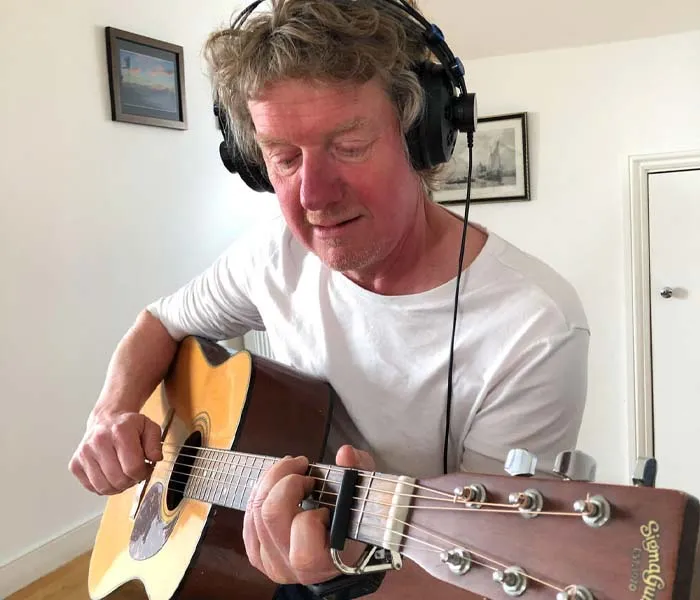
column 217, row 304
column 535, row 401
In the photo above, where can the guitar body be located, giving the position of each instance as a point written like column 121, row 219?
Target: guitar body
column 188, row 549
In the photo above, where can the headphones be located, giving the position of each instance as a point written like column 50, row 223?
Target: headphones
column 448, row 107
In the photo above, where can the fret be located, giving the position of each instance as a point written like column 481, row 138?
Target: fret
column 236, row 480
column 245, row 481
column 224, row 468
column 323, row 472
column 179, row 470
column 369, row 523
column 256, row 472
column 253, row 476
column 214, row 475
column 218, row 469
column 197, row 472
column 366, row 482
column 178, row 474
column 204, row 476
column 324, row 484
column 210, row 481
column 218, row 476
column 232, row 479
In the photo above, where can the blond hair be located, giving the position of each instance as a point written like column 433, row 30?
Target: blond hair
column 320, row 40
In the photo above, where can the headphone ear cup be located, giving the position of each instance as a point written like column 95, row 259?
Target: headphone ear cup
column 431, row 140
column 253, row 175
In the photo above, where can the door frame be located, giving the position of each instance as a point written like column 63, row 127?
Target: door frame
column 640, row 412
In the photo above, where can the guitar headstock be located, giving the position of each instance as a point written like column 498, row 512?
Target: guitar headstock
column 544, row 538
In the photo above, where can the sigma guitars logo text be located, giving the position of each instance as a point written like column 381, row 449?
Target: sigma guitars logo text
column 646, row 577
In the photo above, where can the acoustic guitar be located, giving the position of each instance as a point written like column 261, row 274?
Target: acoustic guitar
column 225, row 418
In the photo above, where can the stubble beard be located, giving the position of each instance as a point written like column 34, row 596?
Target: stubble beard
column 338, row 256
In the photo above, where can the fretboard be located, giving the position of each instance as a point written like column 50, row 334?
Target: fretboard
column 226, row 478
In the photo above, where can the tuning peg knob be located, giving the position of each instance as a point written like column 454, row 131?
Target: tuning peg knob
column 645, row 472
column 575, row 465
column 520, row 463
column 513, row 580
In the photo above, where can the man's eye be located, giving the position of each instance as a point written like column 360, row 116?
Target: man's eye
column 285, row 163
column 352, row 151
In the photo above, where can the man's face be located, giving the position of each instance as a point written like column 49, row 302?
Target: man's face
column 336, row 160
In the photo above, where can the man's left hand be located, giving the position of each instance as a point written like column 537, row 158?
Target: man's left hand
column 287, row 543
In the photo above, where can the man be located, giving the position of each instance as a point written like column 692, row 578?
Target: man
column 355, row 284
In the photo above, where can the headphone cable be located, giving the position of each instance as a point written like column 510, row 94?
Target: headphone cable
column 448, row 411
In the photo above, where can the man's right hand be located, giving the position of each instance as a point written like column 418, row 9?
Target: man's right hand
column 112, row 455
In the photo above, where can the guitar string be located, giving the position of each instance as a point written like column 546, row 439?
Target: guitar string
column 374, row 476
column 459, row 546
column 275, row 460
column 450, row 499
column 380, row 543
column 377, row 477
column 493, row 507
column 418, row 540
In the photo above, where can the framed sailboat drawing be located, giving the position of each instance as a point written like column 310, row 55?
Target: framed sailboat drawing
column 501, row 166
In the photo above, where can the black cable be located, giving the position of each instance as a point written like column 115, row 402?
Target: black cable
column 470, row 143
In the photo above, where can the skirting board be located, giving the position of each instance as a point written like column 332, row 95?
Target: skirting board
column 48, row 557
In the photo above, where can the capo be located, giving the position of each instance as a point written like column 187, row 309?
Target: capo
column 341, row 514
column 384, row 560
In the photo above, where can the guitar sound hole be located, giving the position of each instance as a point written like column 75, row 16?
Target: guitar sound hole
column 182, row 470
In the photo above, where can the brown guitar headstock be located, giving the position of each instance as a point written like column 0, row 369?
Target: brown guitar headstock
column 540, row 538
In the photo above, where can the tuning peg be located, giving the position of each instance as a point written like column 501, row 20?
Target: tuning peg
column 645, row 472
column 575, row 465
column 520, row 463
column 458, row 560
column 513, row 580
column 575, row 592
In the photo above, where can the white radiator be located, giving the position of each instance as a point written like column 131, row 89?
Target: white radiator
column 258, row 343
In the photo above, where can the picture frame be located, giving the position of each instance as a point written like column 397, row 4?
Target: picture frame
column 501, row 171
column 146, row 80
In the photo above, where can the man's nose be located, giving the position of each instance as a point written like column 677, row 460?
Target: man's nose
column 319, row 183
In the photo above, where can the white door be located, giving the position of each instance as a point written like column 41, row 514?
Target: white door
column 674, row 250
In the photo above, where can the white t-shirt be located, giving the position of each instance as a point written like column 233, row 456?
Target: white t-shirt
column 521, row 348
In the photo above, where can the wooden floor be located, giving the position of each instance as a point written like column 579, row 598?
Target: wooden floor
column 70, row 583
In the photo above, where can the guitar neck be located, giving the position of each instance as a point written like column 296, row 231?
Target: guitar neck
column 487, row 533
column 226, row 478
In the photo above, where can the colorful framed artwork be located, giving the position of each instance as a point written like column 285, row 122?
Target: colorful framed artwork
column 146, row 80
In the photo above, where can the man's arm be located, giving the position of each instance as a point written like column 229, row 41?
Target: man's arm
column 535, row 400
column 118, row 439
column 138, row 365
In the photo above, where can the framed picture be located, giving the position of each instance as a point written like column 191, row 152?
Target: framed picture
column 501, row 166
column 146, row 80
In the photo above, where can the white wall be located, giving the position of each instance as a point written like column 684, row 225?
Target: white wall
column 589, row 110
column 96, row 219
